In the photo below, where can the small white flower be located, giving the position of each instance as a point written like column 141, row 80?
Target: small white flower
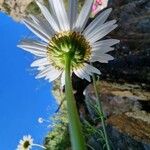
column 64, row 33
column 26, row 143
column 40, row 120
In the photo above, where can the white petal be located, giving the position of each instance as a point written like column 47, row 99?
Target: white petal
column 31, row 42
column 108, row 42
column 52, row 9
column 44, row 24
column 53, row 74
column 48, row 16
column 36, row 31
column 43, row 72
column 33, row 45
column 40, row 62
column 36, row 48
column 73, row 12
column 59, row 9
column 29, row 137
column 21, row 141
column 102, row 58
column 63, row 79
column 90, row 69
column 36, row 20
column 24, row 137
column 100, row 29
column 80, row 72
column 102, row 33
column 101, row 50
column 49, row 73
column 37, row 25
column 40, row 68
column 35, row 51
column 99, row 20
column 84, row 15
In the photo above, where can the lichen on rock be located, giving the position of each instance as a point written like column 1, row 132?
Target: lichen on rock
column 15, row 8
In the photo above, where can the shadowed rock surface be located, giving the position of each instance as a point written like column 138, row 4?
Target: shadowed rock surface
column 137, row 128
column 128, row 126
column 117, row 98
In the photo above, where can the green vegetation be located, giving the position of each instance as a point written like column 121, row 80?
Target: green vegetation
column 58, row 138
column 32, row 8
column 6, row 7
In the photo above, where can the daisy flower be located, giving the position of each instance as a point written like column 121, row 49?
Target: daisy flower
column 26, row 143
column 41, row 120
column 63, row 33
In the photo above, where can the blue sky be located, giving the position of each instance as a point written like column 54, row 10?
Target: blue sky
column 22, row 98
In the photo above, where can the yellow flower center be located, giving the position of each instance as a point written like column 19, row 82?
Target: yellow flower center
column 26, row 144
column 72, row 44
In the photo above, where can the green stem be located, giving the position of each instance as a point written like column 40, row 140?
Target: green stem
column 77, row 139
column 99, row 104
column 39, row 146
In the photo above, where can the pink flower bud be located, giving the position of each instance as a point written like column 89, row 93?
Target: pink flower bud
column 94, row 7
column 98, row 6
column 99, row 2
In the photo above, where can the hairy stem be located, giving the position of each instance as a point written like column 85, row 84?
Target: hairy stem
column 99, row 104
column 77, row 139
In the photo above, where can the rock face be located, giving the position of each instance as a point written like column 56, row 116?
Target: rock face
column 142, row 115
column 15, row 8
column 129, row 133
column 1, row 2
column 127, row 125
column 137, row 128
column 117, row 98
column 18, row 9
column 132, row 55
column 125, row 133
column 119, row 141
